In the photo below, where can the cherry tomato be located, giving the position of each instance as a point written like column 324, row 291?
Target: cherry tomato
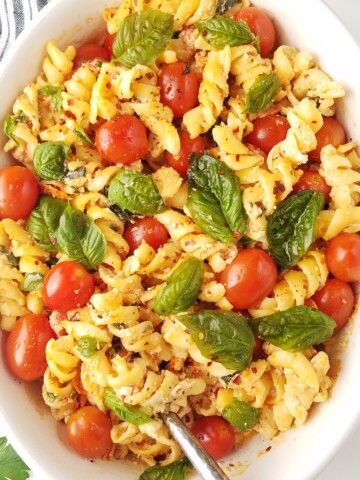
column 260, row 24
column 268, row 132
column 179, row 88
column 25, row 347
column 188, row 145
column 331, row 133
column 19, row 192
column 249, row 278
column 309, row 302
column 336, row 299
column 88, row 432
column 149, row 229
column 343, row 257
column 311, row 180
column 122, row 139
column 108, row 43
column 68, row 285
column 88, row 52
column 215, row 434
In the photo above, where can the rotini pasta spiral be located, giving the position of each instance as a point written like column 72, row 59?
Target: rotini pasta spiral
column 247, row 65
column 57, row 64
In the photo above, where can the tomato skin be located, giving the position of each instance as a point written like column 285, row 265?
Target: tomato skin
column 188, row 145
column 311, row 180
column 108, row 43
column 268, row 131
column 331, row 133
column 249, row 278
column 19, row 192
column 88, row 52
column 68, row 285
column 343, row 257
column 25, row 346
column 260, row 24
column 215, row 434
column 122, row 139
column 337, row 300
column 149, row 229
column 179, row 89
column 88, row 432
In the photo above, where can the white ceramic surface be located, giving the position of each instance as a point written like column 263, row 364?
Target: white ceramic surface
column 308, row 25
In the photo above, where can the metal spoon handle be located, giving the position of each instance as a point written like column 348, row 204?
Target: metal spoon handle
column 205, row 465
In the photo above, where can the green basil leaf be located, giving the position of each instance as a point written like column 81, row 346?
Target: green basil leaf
column 128, row 413
column 32, row 281
column 81, row 239
column 51, row 397
column 88, row 345
column 291, row 228
column 295, row 329
column 73, row 174
column 12, row 467
column 142, row 37
column 50, row 160
column 182, row 288
column 241, row 414
column 135, row 192
column 261, row 95
column 223, row 6
column 44, row 220
column 55, row 96
column 124, row 215
column 172, row 471
column 9, row 126
column 221, row 31
column 80, row 132
column 223, row 337
column 10, row 257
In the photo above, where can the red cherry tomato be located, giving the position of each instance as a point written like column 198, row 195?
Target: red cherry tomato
column 68, row 285
column 19, row 192
column 88, row 432
column 311, row 180
column 149, row 229
column 215, row 434
column 122, row 139
column 343, row 257
column 188, row 145
column 88, row 52
column 331, row 133
column 25, row 347
column 268, row 132
column 260, row 24
column 108, row 43
column 336, row 299
column 179, row 88
column 249, row 278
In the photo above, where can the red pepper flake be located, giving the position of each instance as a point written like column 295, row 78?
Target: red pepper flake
column 70, row 114
column 237, row 380
column 254, row 369
column 237, row 235
column 268, row 448
column 204, row 33
column 149, row 75
column 71, row 102
column 187, row 331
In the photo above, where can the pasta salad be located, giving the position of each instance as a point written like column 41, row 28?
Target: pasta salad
column 182, row 234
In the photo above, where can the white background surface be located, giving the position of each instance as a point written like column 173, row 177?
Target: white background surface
column 346, row 464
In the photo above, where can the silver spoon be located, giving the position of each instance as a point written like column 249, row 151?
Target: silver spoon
column 205, row 465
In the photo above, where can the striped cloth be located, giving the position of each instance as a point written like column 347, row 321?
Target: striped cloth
column 15, row 15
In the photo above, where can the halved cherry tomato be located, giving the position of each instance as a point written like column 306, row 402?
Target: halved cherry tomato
column 122, row 139
column 260, row 24
column 331, row 133
column 25, row 346
column 311, row 180
column 268, row 131
column 149, row 229
column 19, row 192
column 68, row 285
column 179, row 87
column 188, row 145
column 343, row 257
column 88, row 52
column 108, row 43
column 249, row 278
column 88, row 432
column 215, row 434
column 337, row 300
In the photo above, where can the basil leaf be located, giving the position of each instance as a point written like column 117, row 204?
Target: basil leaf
column 223, row 6
column 88, row 345
column 32, row 281
column 80, row 132
column 44, row 220
column 10, row 257
column 261, row 95
column 172, row 471
column 135, row 192
column 12, row 467
column 291, row 228
column 223, row 337
column 241, row 414
column 295, row 329
column 142, row 37
column 181, row 289
column 221, row 31
column 128, row 413
column 50, row 160
column 73, row 174
column 9, row 126
column 124, row 215
column 80, row 238
column 55, row 96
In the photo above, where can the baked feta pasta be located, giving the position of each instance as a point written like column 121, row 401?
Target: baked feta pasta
column 182, row 233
